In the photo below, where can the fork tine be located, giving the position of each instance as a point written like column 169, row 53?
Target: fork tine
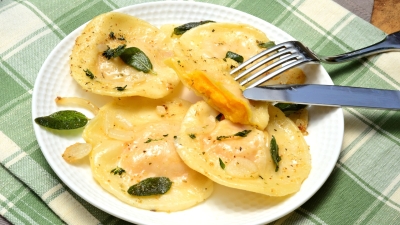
column 263, row 62
column 259, row 55
column 269, row 67
column 273, row 74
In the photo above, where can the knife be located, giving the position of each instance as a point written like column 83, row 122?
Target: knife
column 326, row 95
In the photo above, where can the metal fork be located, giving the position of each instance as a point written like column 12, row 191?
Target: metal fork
column 293, row 53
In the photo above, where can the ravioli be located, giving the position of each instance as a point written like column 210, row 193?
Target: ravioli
column 137, row 135
column 113, row 77
column 201, row 64
column 238, row 156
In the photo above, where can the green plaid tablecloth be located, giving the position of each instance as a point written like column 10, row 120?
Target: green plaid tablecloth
column 364, row 187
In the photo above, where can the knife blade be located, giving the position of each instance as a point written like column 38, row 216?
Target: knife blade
column 326, row 95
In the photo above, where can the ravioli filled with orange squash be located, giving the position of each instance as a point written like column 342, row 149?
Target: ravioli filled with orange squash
column 204, row 57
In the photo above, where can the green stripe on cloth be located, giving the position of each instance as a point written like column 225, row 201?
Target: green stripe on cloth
column 9, row 96
column 20, row 206
column 31, row 44
column 68, row 21
column 347, row 207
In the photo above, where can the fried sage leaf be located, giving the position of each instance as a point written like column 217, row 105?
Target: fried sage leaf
column 136, row 58
column 63, row 120
column 289, row 108
column 117, row 170
column 151, row 186
column 114, row 52
column 242, row 133
column 121, row 88
column 268, row 44
column 238, row 58
column 185, row 27
column 275, row 153
column 221, row 163
column 89, row 74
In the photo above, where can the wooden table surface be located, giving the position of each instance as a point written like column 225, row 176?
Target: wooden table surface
column 386, row 15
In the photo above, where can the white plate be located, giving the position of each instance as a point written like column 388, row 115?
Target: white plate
column 226, row 206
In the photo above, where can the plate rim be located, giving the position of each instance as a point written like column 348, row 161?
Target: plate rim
column 154, row 4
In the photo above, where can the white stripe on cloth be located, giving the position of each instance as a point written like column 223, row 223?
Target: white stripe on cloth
column 110, row 4
column 364, row 124
column 8, row 147
column 26, row 43
column 389, row 63
column 323, row 19
column 51, row 191
column 326, row 17
column 396, row 194
column 350, row 138
column 7, row 29
column 9, row 204
column 315, row 217
column 48, row 20
column 15, row 159
column 71, row 211
column 351, row 134
column 335, row 31
column 309, row 22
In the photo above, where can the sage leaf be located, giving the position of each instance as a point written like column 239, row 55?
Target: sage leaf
column 151, row 140
column 242, row 133
column 63, row 120
column 219, row 138
column 114, row 52
column 121, row 88
column 289, row 108
column 89, row 74
column 151, row 186
column 275, row 153
column 136, row 58
column 117, row 170
column 268, row 44
column 185, row 27
column 221, row 163
column 238, row 58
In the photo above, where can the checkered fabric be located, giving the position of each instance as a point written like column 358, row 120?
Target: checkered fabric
column 364, row 187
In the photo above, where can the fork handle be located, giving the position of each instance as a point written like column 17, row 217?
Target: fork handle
column 389, row 44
